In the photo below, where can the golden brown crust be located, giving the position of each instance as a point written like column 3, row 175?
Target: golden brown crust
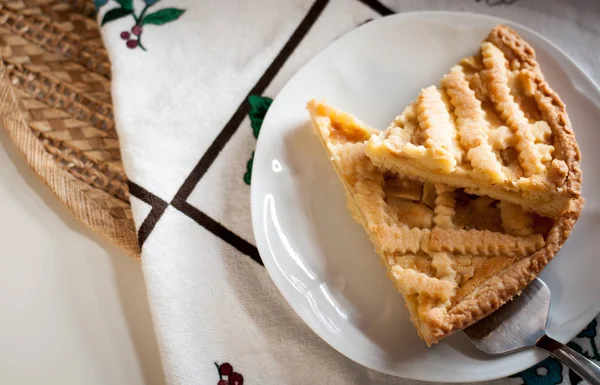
column 554, row 110
column 513, row 46
column 434, row 260
column 426, row 285
column 501, row 288
column 508, row 134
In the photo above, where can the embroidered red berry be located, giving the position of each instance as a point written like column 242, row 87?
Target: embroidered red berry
column 132, row 43
column 226, row 368
column 136, row 30
column 223, row 382
column 236, row 379
column 125, row 35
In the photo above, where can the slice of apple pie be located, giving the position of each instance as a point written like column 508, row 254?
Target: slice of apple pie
column 494, row 127
column 454, row 256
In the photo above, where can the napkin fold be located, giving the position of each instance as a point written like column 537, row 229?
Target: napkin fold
column 191, row 83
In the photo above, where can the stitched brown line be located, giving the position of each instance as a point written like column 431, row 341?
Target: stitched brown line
column 63, row 97
column 234, row 122
column 42, row 32
column 158, row 208
column 218, row 229
column 99, row 175
column 225, row 135
column 378, row 7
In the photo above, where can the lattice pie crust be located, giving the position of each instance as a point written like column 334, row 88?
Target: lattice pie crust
column 470, row 192
column 455, row 257
column 493, row 126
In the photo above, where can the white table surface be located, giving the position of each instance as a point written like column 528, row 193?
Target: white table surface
column 73, row 308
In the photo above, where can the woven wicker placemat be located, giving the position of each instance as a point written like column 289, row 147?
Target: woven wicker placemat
column 55, row 103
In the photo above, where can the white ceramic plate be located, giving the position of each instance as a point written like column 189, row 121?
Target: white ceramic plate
column 323, row 263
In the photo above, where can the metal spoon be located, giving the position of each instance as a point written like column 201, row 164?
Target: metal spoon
column 521, row 324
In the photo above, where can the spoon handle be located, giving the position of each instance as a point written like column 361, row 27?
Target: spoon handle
column 585, row 368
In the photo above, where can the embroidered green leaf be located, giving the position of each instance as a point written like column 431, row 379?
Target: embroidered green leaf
column 162, row 16
column 259, row 105
column 248, row 173
column 115, row 14
column 126, row 4
column 258, row 109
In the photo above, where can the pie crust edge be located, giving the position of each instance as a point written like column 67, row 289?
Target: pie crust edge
column 568, row 182
column 501, row 288
column 495, row 291
column 515, row 47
